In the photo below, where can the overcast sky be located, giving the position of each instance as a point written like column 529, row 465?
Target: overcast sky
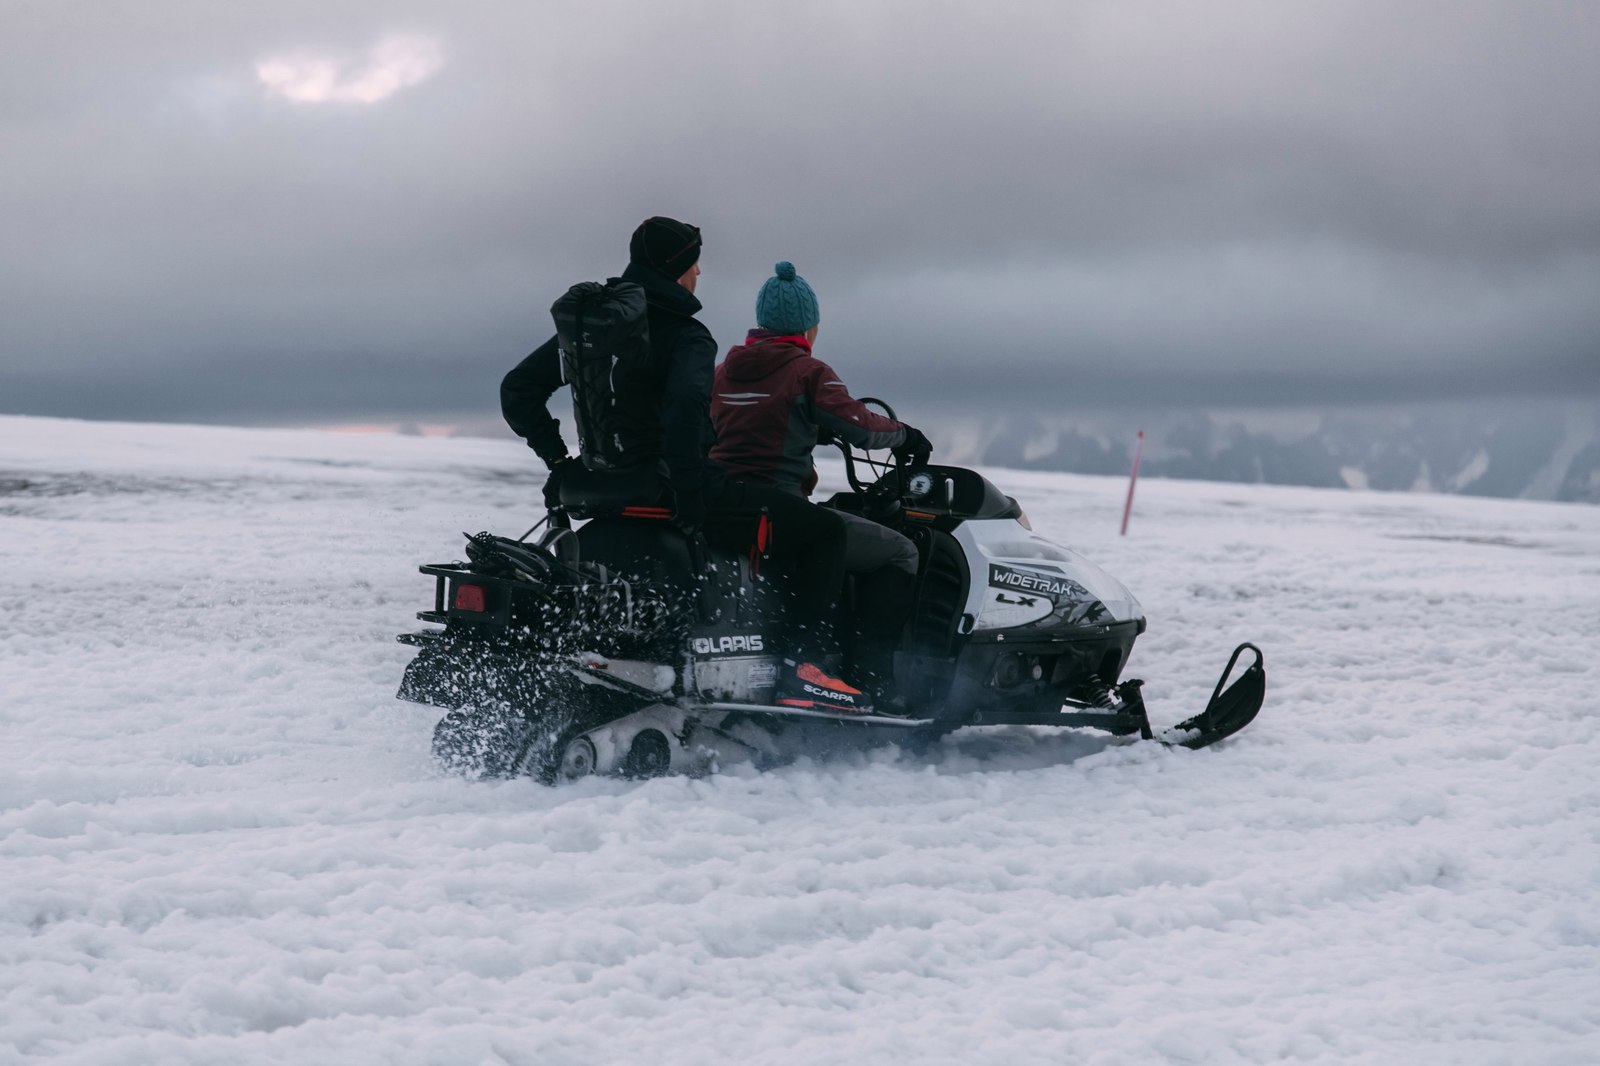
column 317, row 211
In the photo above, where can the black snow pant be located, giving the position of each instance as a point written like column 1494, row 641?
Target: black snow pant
column 807, row 543
column 884, row 565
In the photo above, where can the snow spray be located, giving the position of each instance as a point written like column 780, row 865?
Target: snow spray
column 1133, row 479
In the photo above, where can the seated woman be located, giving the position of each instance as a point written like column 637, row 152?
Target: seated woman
column 771, row 401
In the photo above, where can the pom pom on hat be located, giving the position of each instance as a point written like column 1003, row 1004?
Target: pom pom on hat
column 786, row 303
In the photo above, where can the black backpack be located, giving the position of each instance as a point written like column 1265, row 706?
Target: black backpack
column 604, row 338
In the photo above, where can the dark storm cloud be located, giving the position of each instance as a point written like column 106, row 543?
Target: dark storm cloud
column 1229, row 202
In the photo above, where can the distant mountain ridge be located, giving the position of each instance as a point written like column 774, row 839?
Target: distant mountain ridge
column 1536, row 452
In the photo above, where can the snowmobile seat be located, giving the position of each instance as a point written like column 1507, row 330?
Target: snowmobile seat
column 641, row 492
column 651, row 549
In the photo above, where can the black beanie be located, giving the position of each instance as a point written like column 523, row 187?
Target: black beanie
column 665, row 245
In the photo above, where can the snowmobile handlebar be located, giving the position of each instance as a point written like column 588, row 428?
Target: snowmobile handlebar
column 891, row 476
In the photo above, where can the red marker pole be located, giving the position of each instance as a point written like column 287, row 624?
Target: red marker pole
column 1133, row 479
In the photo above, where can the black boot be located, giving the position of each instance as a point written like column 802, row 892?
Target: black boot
column 872, row 668
column 883, row 603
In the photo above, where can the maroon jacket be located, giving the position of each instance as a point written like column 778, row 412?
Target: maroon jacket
column 770, row 402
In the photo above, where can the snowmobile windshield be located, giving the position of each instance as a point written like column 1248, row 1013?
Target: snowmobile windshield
column 959, row 491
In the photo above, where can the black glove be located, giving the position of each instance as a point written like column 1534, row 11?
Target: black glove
column 552, row 483
column 916, row 447
column 689, row 510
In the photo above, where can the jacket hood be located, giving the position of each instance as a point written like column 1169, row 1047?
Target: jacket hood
column 661, row 290
column 761, row 358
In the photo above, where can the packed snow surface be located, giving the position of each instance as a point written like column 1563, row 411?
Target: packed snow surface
column 222, row 840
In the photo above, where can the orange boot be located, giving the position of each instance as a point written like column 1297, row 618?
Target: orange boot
column 805, row 684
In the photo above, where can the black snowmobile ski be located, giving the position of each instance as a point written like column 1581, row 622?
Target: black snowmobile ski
column 1227, row 712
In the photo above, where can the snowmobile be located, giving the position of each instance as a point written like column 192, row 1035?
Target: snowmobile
column 624, row 647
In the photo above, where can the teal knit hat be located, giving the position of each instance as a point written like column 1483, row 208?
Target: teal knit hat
column 786, row 303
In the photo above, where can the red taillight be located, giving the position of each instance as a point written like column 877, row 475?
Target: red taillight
column 470, row 598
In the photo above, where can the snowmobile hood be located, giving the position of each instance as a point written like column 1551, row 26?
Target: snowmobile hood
column 1022, row 581
column 762, row 357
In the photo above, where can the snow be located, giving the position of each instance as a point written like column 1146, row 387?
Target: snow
column 222, row 841
column 1475, row 469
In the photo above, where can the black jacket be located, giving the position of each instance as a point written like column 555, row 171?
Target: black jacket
column 671, row 404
